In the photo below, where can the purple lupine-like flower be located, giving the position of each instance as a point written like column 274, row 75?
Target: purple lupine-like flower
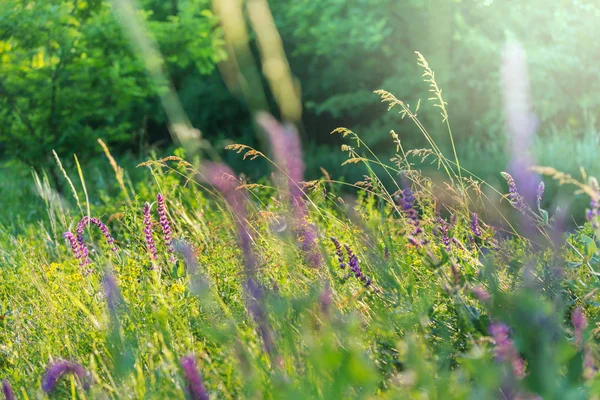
column 195, row 387
column 579, row 324
column 475, row 225
column 442, row 228
column 150, row 245
column 73, row 243
column 7, row 390
column 521, row 122
column 339, row 252
column 406, row 201
column 539, row 194
column 165, row 225
column 593, row 212
column 61, row 367
column 84, row 253
column 505, row 348
column 516, row 200
column 354, row 267
column 223, row 179
column 287, row 151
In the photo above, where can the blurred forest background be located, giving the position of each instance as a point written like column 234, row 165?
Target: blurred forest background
column 69, row 75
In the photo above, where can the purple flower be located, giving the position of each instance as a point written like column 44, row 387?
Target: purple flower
column 521, row 122
column 73, row 243
column 150, row 245
column 164, row 223
column 59, row 368
column 516, row 200
column 287, row 151
column 442, row 228
column 339, row 252
column 406, row 202
column 355, row 267
column 195, row 387
column 7, row 390
column 505, row 348
column 223, row 179
column 539, row 194
column 475, row 225
column 84, row 253
column 593, row 212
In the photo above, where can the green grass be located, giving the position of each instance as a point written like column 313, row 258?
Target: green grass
column 417, row 331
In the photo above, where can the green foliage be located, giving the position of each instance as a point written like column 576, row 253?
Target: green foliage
column 68, row 76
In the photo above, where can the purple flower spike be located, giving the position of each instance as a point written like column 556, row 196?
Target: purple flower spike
column 539, row 194
column 287, row 151
column 59, row 368
column 505, row 348
column 475, row 225
column 593, row 212
column 164, row 224
column 150, row 245
column 339, row 252
column 516, row 200
column 73, row 243
column 443, row 230
column 195, row 387
column 80, row 239
column 355, row 267
column 406, row 202
column 7, row 390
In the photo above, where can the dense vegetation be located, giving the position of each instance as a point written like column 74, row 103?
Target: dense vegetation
column 178, row 277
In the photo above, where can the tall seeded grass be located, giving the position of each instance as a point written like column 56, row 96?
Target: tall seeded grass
column 400, row 285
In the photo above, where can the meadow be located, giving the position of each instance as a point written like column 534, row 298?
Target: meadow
column 403, row 256
column 193, row 282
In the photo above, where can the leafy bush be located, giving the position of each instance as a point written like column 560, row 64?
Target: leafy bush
column 68, row 76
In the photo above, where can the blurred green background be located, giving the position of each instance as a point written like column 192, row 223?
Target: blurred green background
column 69, row 75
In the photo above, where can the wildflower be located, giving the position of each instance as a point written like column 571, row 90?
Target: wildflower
column 355, row 267
column 386, row 253
column 7, row 390
column 224, row 180
column 84, row 253
column 73, row 243
column 339, row 252
column 164, row 223
column 442, row 228
column 475, row 225
column 505, row 348
column 406, row 201
column 593, row 212
column 516, row 200
column 150, row 245
column 195, row 386
column 59, row 368
column 539, row 194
